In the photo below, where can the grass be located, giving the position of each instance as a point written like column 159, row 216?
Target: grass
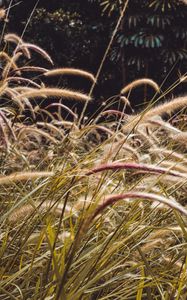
column 89, row 211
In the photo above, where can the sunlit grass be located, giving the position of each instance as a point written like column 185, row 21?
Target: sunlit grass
column 89, row 211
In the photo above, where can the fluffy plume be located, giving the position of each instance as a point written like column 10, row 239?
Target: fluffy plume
column 181, row 138
column 55, row 92
column 71, row 71
column 37, row 49
column 23, row 176
column 139, row 82
column 32, row 69
column 14, row 38
column 10, row 62
column 167, row 107
column 26, row 210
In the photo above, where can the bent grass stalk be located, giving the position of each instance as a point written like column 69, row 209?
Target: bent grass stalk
column 55, row 92
column 112, row 199
column 37, row 49
column 128, row 166
column 140, row 82
column 71, row 71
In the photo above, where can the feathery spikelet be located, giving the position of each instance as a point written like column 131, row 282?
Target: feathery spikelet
column 160, row 110
column 32, row 69
column 71, row 71
column 14, row 38
column 26, row 210
column 2, row 14
column 37, row 49
column 23, row 176
column 3, row 88
column 55, row 92
column 167, row 107
column 181, row 138
column 10, row 62
column 169, row 154
column 11, row 65
column 139, row 82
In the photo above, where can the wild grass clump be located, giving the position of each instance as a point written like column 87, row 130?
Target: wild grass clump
column 89, row 211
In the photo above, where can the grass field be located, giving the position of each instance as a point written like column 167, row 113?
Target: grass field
column 91, row 209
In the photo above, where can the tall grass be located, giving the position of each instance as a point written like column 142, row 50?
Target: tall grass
column 93, row 211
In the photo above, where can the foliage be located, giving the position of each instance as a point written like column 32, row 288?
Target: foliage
column 153, row 35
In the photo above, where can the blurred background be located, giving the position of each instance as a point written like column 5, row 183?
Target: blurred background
column 151, row 41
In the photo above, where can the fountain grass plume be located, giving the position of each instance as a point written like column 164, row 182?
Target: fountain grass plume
column 37, row 49
column 71, row 71
column 14, row 38
column 55, row 92
column 168, row 107
column 140, row 82
column 23, row 176
column 10, row 62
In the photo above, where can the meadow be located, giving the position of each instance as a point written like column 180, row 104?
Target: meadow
column 91, row 208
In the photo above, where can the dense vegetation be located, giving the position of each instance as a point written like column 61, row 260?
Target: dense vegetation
column 91, row 207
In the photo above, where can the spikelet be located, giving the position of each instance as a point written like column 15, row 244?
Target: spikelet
column 9, row 59
column 149, row 246
column 37, row 49
column 71, row 71
column 11, row 65
column 23, row 176
column 26, row 210
column 14, row 38
column 168, row 107
column 2, row 13
column 3, row 88
column 139, row 82
column 13, row 95
column 55, row 92
column 181, row 138
column 5, row 119
column 160, row 110
column 169, row 154
column 32, row 69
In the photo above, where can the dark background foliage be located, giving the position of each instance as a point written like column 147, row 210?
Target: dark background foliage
column 151, row 41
